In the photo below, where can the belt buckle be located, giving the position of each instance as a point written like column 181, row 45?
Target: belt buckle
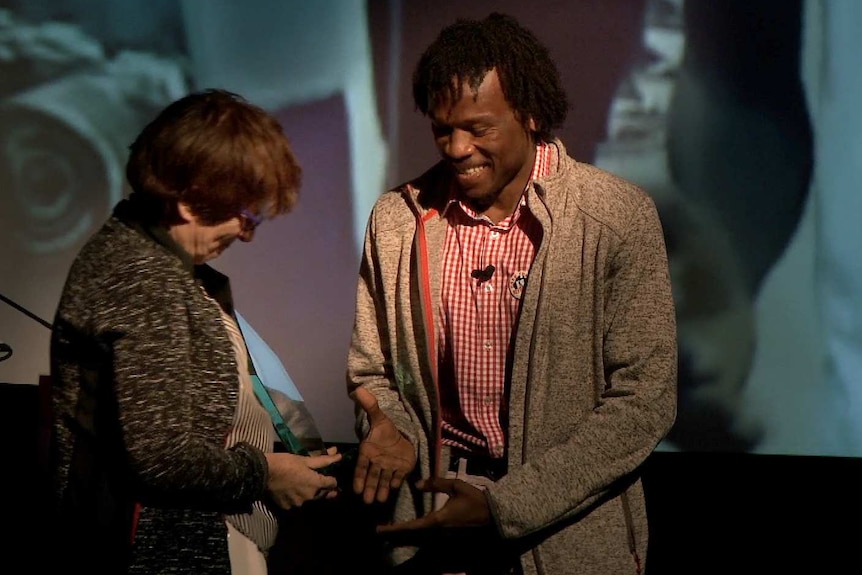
column 477, row 466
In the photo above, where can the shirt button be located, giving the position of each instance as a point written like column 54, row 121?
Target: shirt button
column 494, row 235
column 488, row 344
column 488, row 287
column 488, row 399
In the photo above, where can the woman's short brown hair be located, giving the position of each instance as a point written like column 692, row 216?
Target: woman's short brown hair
column 218, row 154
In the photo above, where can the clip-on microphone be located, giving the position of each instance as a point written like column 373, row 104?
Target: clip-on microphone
column 483, row 275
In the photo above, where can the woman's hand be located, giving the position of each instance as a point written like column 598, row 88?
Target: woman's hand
column 293, row 479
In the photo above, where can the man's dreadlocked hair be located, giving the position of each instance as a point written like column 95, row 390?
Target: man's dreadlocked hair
column 467, row 50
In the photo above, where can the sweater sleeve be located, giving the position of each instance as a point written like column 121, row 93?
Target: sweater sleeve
column 370, row 356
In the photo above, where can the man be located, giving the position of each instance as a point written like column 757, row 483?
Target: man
column 514, row 342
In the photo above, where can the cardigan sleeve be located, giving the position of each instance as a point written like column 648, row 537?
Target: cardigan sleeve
column 125, row 340
column 598, row 453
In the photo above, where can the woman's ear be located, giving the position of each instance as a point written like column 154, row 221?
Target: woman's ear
column 185, row 212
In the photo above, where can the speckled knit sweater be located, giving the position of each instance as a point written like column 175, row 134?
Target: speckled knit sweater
column 145, row 389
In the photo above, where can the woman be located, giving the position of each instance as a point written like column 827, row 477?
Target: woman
column 163, row 458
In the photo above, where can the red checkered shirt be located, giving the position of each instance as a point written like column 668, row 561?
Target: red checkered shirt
column 478, row 314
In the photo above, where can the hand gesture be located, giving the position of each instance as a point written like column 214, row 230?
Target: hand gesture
column 293, row 479
column 386, row 457
column 466, row 507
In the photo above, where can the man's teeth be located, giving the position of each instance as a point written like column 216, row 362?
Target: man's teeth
column 470, row 171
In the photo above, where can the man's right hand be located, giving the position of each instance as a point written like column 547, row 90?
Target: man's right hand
column 386, row 457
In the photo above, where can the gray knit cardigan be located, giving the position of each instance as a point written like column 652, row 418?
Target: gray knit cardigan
column 593, row 384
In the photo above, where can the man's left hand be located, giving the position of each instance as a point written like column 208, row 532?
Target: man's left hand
column 466, row 507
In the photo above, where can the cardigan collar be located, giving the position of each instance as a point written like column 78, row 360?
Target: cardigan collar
column 216, row 284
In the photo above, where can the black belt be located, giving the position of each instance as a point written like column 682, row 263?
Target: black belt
column 493, row 468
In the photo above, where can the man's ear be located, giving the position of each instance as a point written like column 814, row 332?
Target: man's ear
column 531, row 125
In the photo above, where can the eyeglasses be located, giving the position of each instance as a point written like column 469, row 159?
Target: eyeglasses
column 249, row 221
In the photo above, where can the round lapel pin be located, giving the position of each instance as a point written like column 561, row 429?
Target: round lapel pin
column 517, row 282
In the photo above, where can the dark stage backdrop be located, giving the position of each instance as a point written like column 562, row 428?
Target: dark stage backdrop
column 739, row 117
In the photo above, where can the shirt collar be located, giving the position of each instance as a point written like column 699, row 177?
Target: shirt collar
column 546, row 162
